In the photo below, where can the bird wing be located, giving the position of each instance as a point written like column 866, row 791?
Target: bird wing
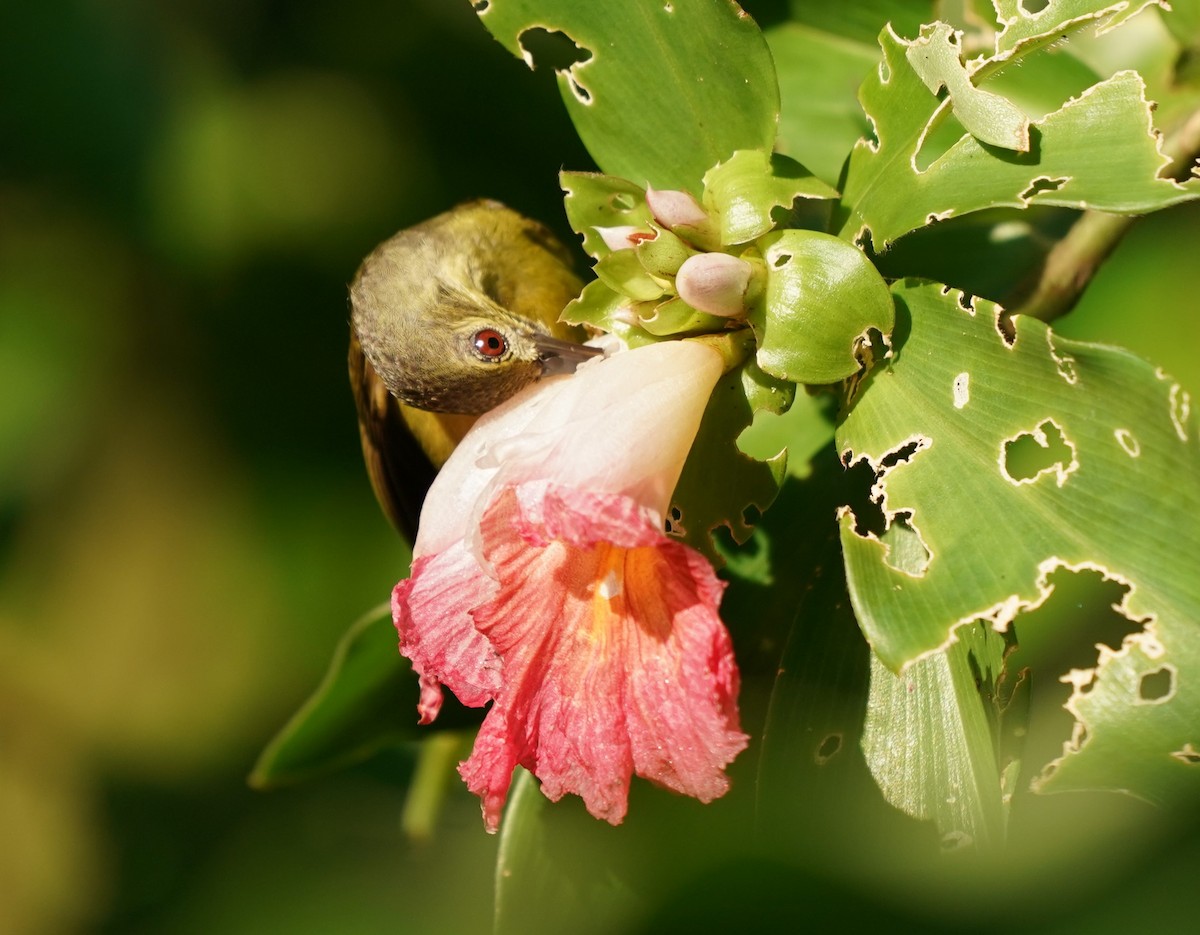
column 399, row 469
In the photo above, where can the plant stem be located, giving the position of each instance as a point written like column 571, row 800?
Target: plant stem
column 1074, row 260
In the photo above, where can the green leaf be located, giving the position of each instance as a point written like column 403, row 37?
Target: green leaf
column 1001, row 463
column 936, row 58
column 658, row 92
column 930, row 744
column 747, row 187
column 819, row 74
column 720, row 483
column 546, row 868
column 1021, row 30
column 1096, row 151
column 822, row 296
column 367, row 701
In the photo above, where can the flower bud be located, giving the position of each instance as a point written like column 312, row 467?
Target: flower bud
column 675, row 208
column 684, row 215
column 714, row 283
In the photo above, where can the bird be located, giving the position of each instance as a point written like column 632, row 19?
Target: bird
column 449, row 318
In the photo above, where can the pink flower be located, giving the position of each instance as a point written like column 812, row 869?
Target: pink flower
column 542, row 581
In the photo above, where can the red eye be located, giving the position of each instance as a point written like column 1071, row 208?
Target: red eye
column 490, row 344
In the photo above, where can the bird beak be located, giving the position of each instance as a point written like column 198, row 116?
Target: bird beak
column 559, row 356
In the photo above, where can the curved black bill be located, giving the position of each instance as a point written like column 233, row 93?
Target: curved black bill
column 559, row 356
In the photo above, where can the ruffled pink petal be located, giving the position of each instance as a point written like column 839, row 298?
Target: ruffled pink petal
column 614, row 659
column 431, row 612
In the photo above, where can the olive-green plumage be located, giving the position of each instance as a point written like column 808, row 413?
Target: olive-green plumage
column 449, row 319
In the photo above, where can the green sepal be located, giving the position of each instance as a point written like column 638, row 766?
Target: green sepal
column 822, row 296
column 664, row 254
column 622, row 272
column 601, row 307
column 675, row 316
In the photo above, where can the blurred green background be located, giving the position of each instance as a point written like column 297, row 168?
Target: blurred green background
column 185, row 525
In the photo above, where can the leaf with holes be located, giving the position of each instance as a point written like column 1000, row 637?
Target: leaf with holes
column 1096, row 151
column 1021, row 29
column 658, row 92
column 997, row 462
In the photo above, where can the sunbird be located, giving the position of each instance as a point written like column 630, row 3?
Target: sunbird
column 449, row 318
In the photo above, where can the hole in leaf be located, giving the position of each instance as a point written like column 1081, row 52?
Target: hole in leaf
column 581, row 93
column 828, row 748
column 782, row 260
column 554, row 49
column 905, row 550
column 868, row 514
column 955, row 841
column 481, row 6
column 1062, row 636
column 1032, row 454
column 1188, row 754
column 1042, row 184
column 902, row 454
column 966, row 302
column 1158, row 685
column 1033, row 7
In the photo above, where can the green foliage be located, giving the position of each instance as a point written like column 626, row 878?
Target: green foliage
column 1057, row 449
column 1096, row 151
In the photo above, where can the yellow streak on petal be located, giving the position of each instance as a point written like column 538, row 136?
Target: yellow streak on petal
column 628, row 588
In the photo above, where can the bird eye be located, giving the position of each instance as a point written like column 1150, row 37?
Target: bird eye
column 490, row 344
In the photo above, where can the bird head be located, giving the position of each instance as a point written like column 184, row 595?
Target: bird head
column 459, row 313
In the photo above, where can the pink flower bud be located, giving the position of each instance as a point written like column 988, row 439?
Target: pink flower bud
column 714, row 283
column 675, row 209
